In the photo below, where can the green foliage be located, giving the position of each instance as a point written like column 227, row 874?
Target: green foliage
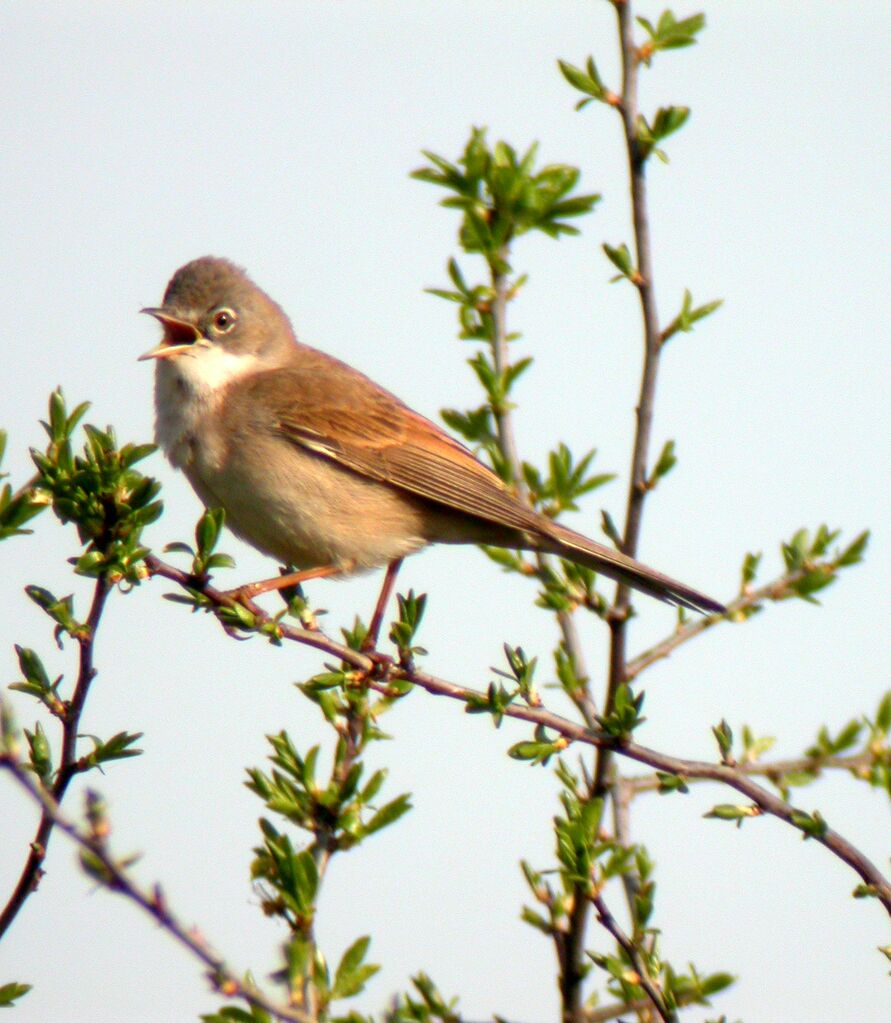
column 667, row 121
column 207, row 535
column 118, row 747
column 688, row 316
column 344, row 804
column 666, row 461
column 723, row 734
column 17, row 508
column 109, row 501
column 402, row 632
column 431, row 1007
column 567, row 480
column 10, row 993
column 41, row 758
column 620, row 257
column 809, row 558
column 670, row 34
column 732, row 812
column 501, row 195
column 540, row 750
column 588, row 860
column 233, row 1014
column 587, row 81
column 625, row 715
column 37, row 683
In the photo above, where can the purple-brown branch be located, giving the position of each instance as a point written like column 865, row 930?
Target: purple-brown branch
column 69, row 765
column 117, row 878
column 627, row 106
column 650, row 986
column 367, row 668
column 780, row 588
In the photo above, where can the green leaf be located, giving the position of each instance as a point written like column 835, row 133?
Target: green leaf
column 388, row 814
column 666, row 461
column 207, row 530
column 32, row 667
column 118, row 747
column 351, row 975
column 750, row 568
column 41, row 755
column 620, row 257
column 853, row 553
column 883, row 714
column 812, row 824
column 730, row 812
column 723, row 734
column 11, row 992
column 672, row 783
column 177, row 547
column 588, row 82
column 685, row 319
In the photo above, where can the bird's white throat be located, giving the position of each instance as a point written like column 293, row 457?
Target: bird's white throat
column 187, row 387
column 205, row 369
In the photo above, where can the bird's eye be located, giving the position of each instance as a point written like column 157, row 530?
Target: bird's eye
column 224, row 320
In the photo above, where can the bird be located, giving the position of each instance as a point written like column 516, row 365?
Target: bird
column 319, row 467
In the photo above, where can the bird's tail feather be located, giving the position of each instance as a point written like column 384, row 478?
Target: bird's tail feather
column 574, row 547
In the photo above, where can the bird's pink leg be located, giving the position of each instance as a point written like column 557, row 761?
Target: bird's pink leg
column 370, row 641
column 244, row 594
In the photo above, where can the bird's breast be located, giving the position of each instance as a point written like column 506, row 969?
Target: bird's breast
column 186, row 426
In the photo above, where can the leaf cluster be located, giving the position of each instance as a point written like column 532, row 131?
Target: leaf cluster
column 502, row 195
column 588, row 859
column 108, row 500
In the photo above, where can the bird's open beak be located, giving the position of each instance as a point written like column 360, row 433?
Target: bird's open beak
column 179, row 336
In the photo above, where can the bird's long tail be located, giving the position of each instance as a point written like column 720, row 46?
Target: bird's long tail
column 574, row 547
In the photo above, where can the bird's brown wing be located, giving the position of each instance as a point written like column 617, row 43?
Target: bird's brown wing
column 332, row 410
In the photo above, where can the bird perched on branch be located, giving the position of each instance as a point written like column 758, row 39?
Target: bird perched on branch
column 318, row 466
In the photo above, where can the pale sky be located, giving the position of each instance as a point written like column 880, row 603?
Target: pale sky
column 139, row 136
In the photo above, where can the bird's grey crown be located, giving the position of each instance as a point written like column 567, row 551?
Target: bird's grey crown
column 203, row 282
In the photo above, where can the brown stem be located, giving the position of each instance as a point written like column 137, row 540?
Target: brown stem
column 151, row 901
column 733, row 777
column 637, row 489
column 774, row 770
column 569, row 944
column 657, row 999
column 503, row 423
column 570, row 951
column 778, row 589
column 69, row 765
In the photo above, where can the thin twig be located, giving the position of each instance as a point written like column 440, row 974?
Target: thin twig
column 569, row 944
column 775, row 770
column 765, row 801
column 649, row 984
column 778, row 589
column 69, row 765
column 503, row 422
column 637, row 484
column 152, row 901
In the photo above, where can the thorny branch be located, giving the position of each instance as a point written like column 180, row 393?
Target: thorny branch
column 153, row 902
column 69, row 714
column 764, row 801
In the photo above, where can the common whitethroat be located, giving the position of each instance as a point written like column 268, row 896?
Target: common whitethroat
column 318, row 466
